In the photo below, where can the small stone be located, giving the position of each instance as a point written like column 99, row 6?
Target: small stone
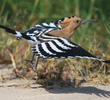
column 36, row 86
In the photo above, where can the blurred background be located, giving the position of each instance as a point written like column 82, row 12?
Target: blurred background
column 95, row 37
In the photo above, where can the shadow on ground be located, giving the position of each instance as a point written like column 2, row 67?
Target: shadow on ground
column 85, row 90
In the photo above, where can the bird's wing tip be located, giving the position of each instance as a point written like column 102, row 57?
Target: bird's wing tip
column 106, row 61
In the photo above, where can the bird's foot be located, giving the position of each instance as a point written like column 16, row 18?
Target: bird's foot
column 31, row 65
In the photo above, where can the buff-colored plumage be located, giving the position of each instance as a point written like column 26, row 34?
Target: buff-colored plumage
column 70, row 24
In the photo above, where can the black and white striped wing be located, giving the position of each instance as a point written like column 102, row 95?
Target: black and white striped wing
column 34, row 34
column 43, row 28
column 61, row 48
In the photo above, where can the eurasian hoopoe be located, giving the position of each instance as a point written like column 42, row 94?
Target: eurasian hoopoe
column 49, row 46
column 64, row 27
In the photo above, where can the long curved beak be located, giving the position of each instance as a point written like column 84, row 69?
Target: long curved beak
column 89, row 20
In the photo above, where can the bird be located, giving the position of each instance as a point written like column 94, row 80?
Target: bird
column 41, row 34
column 63, row 27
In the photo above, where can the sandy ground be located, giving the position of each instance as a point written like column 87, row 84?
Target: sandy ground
column 21, row 89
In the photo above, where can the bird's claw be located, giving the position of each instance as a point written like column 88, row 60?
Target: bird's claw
column 31, row 63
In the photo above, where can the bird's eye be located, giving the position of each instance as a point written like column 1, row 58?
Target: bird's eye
column 77, row 21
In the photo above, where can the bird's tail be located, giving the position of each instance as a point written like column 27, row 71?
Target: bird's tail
column 14, row 32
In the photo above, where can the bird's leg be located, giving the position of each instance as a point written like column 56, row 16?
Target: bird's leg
column 31, row 61
column 37, row 60
column 32, row 58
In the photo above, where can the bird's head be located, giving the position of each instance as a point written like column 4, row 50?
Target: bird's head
column 76, row 21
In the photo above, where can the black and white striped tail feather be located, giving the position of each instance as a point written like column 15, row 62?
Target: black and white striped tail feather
column 14, row 32
column 8, row 29
column 65, row 49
